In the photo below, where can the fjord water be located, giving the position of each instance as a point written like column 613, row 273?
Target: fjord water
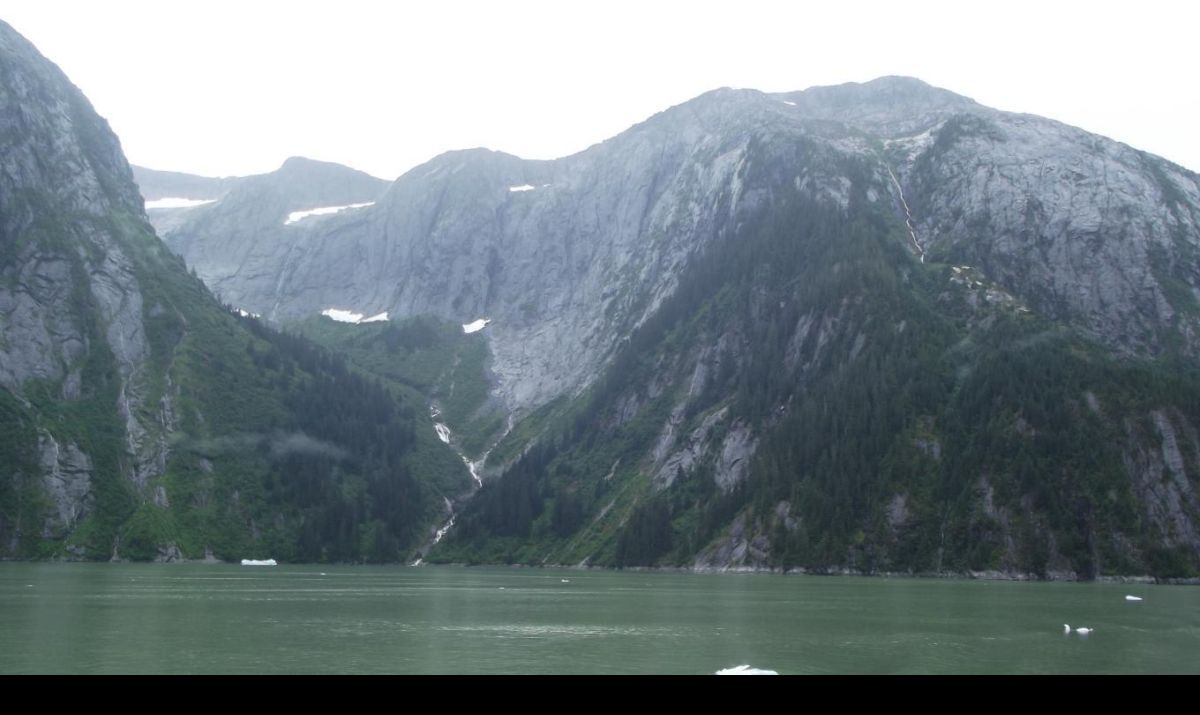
column 199, row 618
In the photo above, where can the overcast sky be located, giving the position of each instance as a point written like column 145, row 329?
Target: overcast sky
column 233, row 88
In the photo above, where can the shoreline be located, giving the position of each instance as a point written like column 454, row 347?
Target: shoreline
column 1051, row 577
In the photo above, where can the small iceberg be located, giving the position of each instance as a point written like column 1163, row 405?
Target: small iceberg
column 1081, row 631
column 253, row 562
column 1133, row 598
column 522, row 187
column 745, row 670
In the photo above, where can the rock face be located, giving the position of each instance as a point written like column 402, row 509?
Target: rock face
column 66, row 473
column 247, row 227
column 566, row 256
column 72, row 305
column 59, row 148
column 138, row 418
column 68, row 291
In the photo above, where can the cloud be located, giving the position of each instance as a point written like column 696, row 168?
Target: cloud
column 278, row 445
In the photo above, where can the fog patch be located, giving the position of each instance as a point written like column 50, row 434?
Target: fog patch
column 276, row 446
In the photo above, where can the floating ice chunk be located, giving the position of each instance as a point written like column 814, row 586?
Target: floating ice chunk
column 174, row 202
column 252, row 562
column 1133, row 598
column 745, row 670
column 381, row 318
column 295, row 216
column 342, row 316
column 790, row 104
column 522, row 187
column 476, row 326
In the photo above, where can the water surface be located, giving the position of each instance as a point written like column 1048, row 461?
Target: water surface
column 198, row 618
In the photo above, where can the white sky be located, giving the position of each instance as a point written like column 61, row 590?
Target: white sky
column 233, row 88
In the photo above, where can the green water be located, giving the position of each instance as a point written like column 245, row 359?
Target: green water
column 194, row 618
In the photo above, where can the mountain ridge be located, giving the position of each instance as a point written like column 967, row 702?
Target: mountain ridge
column 754, row 331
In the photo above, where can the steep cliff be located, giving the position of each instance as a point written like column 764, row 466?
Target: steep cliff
column 140, row 419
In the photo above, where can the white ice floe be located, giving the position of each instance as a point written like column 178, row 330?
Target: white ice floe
column 745, row 670
column 522, row 187
column 790, row 104
column 295, row 216
column 252, row 562
column 476, row 326
column 1133, row 598
column 175, row 202
column 1081, row 631
column 349, row 316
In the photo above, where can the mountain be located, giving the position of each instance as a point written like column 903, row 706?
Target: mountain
column 141, row 419
column 157, row 185
column 236, row 217
column 1082, row 229
column 872, row 327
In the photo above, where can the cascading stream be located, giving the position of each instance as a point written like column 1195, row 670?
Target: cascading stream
column 445, row 435
column 912, row 231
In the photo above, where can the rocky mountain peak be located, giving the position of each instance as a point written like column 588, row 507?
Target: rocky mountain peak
column 887, row 105
column 68, row 146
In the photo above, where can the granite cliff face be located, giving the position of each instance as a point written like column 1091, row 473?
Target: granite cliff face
column 567, row 256
column 138, row 418
column 70, row 300
column 247, row 223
